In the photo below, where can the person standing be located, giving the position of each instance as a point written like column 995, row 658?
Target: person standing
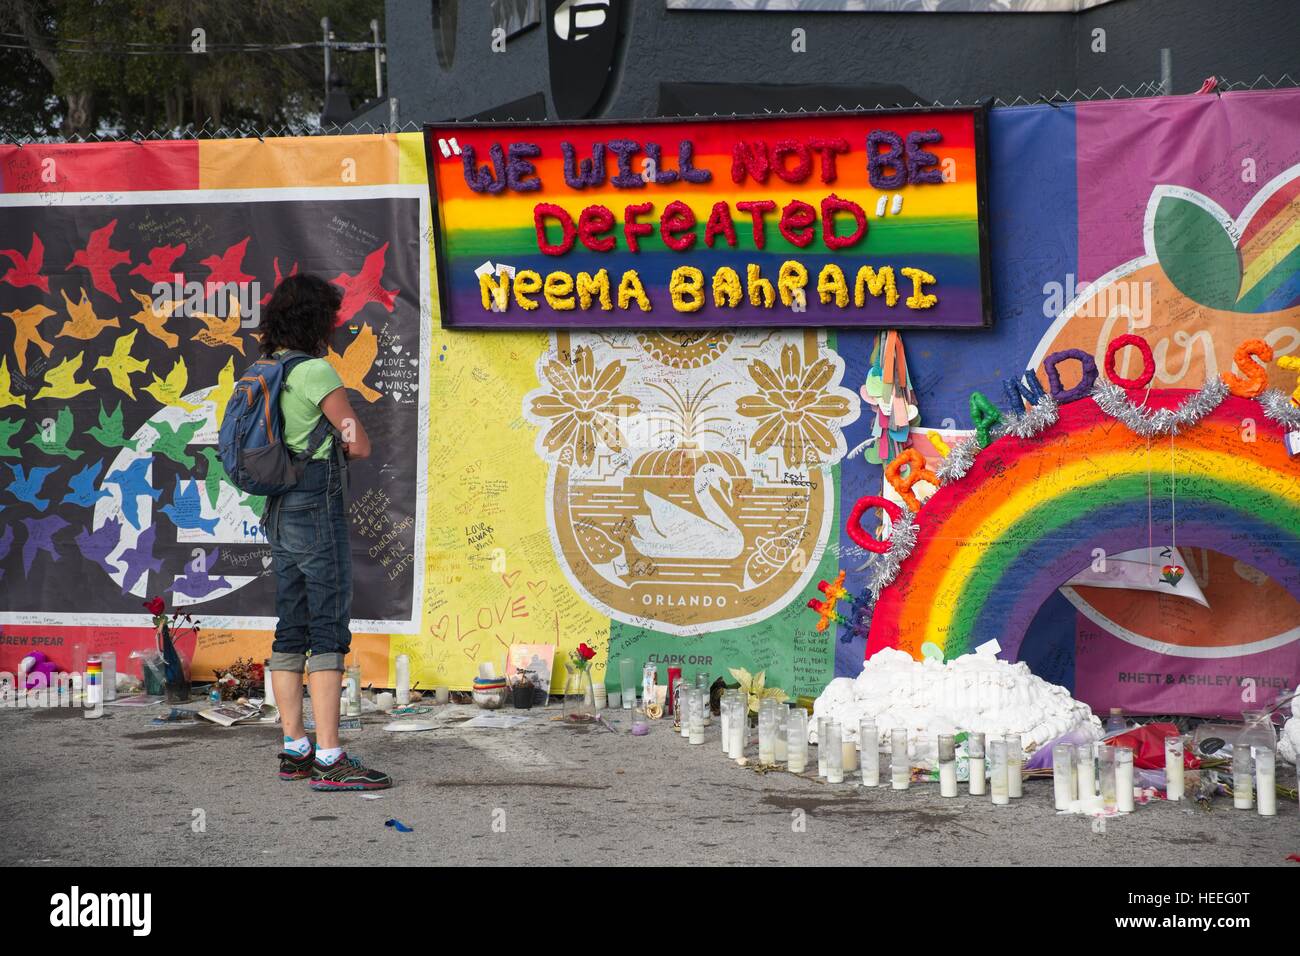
column 307, row 528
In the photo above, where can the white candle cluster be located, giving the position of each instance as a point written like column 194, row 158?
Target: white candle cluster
column 975, row 693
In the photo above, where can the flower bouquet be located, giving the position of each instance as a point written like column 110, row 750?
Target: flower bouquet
column 170, row 633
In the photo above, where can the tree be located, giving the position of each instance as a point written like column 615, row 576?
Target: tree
column 163, row 64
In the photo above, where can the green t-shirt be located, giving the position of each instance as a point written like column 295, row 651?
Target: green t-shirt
column 305, row 388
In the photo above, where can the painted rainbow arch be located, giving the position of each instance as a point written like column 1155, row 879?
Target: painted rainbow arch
column 1029, row 514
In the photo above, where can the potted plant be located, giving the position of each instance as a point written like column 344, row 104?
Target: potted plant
column 523, row 689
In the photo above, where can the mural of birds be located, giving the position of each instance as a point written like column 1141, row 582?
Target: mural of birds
column 154, row 318
column 26, row 486
column 9, row 427
column 171, row 441
column 132, row 485
column 215, row 476
column 137, row 561
column 227, row 267
column 6, row 542
column 220, row 393
column 168, row 391
column 7, row 397
column 52, row 436
column 364, row 287
column 356, row 361
column 40, row 537
column 61, row 381
column 27, row 331
column 109, row 430
column 26, row 269
column 161, row 265
column 99, row 258
column 254, row 503
column 82, row 322
column 186, row 508
column 200, row 584
column 81, row 487
column 121, row 365
column 219, row 331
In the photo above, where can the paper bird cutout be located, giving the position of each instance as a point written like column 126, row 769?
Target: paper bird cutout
column 220, row 393
column 168, row 391
column 61, row 381
column 40, row 537
column 9, row 427
column 227, row 267
column 99, row 258
column 199, row 584
column 186, row 509
column 173, row 441
column 161, row 265
column 139, row 560
column 278, row 279
column 26, row 268
column 55, row 441
column 356, row 361
column 133, row 484
column 98, row 545
column 121, row 365
column 26, row 486
column 364, row 287
column 109, row 430
column 221, row 331
column 81, row 487
column 27, row 331
column 6, row 381
column 154, row 319
column 83, row 323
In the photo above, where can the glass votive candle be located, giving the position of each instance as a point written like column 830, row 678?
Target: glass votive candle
column 900, row 768
column 739, row 727
column 683, row 707
column 975, row 751
column 797, row 740
column 1175, row 779
column 1107, row 780
column 1086, row 773
column 821, row 744
column 1015, row 765
column 1123, row 779
column 766, row 737
column 947, row 765
column 1063, row 776
column 724, row 717
column 998, row 772
column 834, row 753
column 695, row 718
column 869, row 752
column 782, row 730
column 1243, row 778
column 1266, row 782
column 848, row 752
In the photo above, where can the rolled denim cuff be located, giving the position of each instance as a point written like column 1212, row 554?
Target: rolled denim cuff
column 284, row 661
column 329, row 661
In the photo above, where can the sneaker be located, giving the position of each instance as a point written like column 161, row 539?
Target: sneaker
column 347, row 773
column 296, row 766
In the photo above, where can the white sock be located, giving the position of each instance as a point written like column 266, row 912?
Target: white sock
column 326, row 756
column 301, row 746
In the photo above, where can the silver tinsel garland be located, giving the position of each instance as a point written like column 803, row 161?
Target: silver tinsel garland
column 959, row 461
column 1030, row 423
column 902, row 539
column 1150, row 423
column 1277, row 406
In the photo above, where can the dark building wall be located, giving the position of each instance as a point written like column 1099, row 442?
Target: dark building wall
column 943, row 57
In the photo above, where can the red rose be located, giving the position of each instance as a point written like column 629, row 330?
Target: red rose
column 585, row 652
column 155, row 606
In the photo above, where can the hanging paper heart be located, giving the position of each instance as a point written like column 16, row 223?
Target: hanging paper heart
column 1171, row 574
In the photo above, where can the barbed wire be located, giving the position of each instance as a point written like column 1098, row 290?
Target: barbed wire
column 212, row 131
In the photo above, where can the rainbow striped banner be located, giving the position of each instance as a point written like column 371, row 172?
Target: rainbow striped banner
column 847, row 219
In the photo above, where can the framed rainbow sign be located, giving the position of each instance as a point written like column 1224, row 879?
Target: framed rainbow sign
column 846, row 219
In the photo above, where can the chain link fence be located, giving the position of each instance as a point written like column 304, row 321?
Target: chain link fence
column 1057, row 97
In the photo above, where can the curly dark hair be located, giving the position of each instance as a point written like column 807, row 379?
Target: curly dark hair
column 300, row 315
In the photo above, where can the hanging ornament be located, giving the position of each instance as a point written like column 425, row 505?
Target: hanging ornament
column 1148, row 422
column 1171, row 574
column 888, row 392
